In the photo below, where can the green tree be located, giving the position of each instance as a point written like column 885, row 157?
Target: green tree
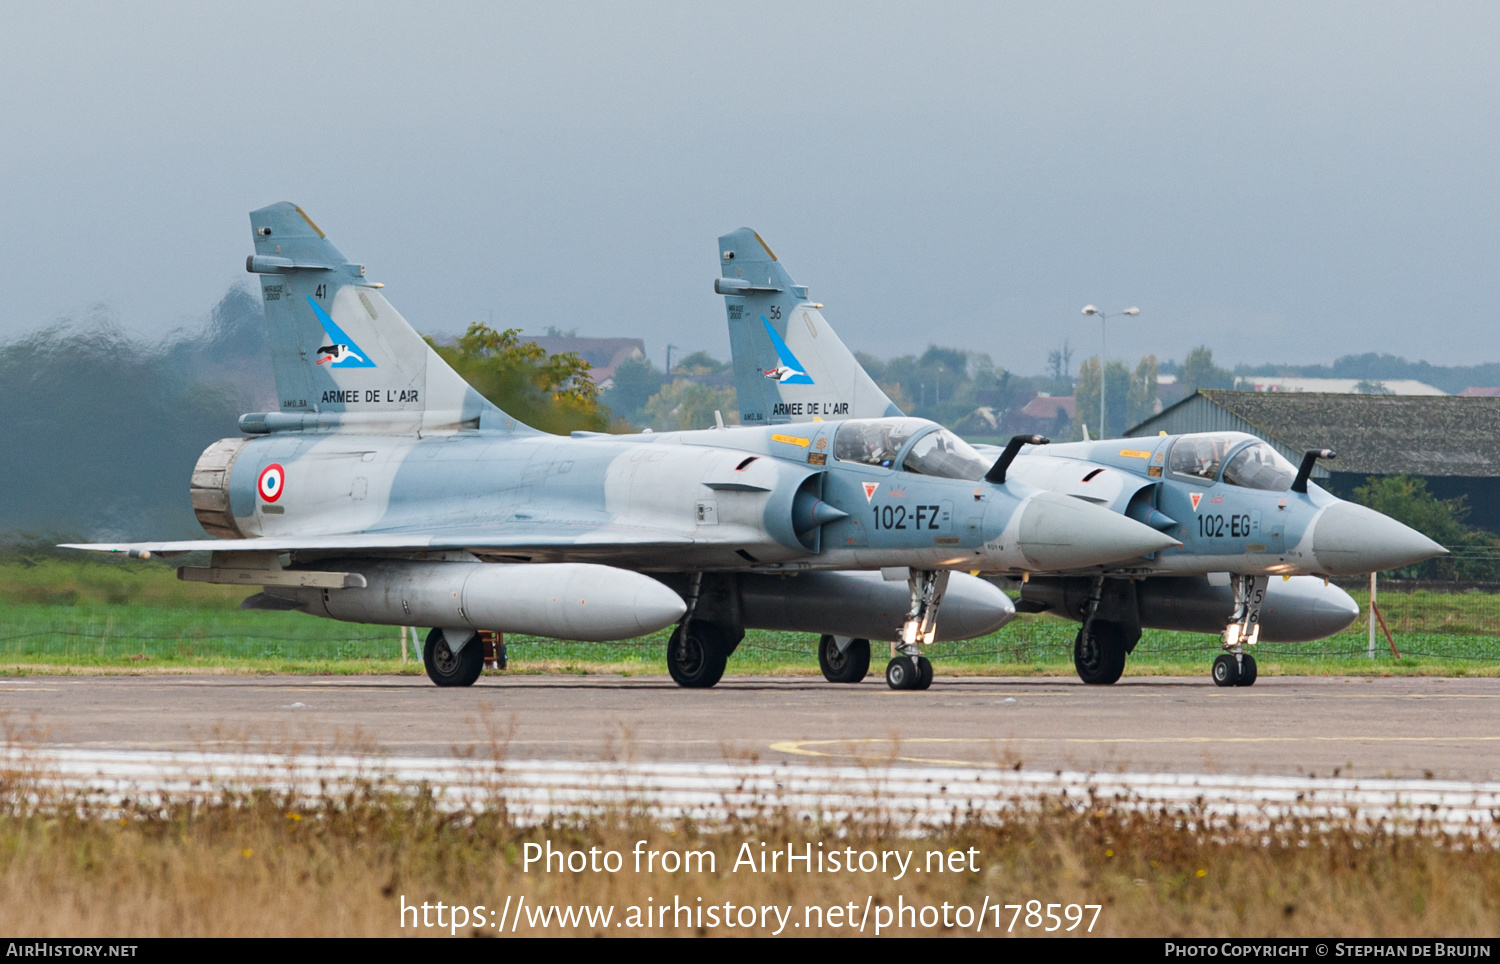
column 1199, row 371
column 1086, row 399
column 1140, row 403
column 684, row 405
column 699, row 363
column 551, row 392
column 1407, row 500
column 1060, row 361
column 634, row 382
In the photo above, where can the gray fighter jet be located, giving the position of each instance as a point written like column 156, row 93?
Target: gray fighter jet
column 387, row 490
column 1244, row 515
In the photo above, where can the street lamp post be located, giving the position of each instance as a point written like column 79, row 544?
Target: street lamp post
column 1103, row 350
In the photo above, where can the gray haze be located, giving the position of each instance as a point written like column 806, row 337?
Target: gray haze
column 1285, row 182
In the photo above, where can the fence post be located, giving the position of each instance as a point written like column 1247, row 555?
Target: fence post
column 1372, row 615
column 403, row 644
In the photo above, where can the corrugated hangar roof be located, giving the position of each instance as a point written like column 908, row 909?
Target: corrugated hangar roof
column 1432, row 435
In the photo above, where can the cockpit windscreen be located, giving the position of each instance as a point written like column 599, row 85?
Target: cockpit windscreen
column 875, row 441
column 1260, row 467
column 946, row 456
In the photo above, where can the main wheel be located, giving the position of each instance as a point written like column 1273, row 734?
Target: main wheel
column 850, row 666
column 447, row 668
column 900, row 674
column 1247, row 671
column 1099, row 655
column 695, row 655
column 1226, row 671
column 924, row 673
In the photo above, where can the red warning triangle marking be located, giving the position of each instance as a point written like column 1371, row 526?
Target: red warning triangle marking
column 870, row 488
column 1196, row 497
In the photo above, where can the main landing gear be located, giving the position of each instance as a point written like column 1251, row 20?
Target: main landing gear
column 696, row 655
column 1235, row 666
column 700, row 647
column 843, row 660
column 908, row 668
column 1099, row 649
column 447, row 668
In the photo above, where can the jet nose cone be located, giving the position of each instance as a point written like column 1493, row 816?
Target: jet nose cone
column 1060, row 532
column 656, row 606
column 1349, row 539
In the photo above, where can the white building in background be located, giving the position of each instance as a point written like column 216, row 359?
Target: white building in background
column 1338, row 386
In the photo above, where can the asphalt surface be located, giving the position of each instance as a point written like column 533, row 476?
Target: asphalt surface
column 1351, row 727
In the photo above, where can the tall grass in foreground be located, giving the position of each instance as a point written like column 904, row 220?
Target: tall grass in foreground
column 266, row 865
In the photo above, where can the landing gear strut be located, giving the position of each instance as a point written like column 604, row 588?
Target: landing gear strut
column 1236, row 667
column 908, row 668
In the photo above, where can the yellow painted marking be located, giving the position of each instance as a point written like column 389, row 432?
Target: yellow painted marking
column 25, row 689
column 1133, row 454
column 309, row 224
column 790, row 440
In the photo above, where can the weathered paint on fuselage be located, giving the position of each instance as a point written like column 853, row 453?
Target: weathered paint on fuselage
column 696, row 485
column 1229, row 528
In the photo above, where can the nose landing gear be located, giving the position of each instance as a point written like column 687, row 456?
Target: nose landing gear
column 1236, row 667
column 908, row 668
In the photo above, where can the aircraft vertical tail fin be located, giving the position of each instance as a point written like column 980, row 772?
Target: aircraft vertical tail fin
column 341, row 354
column 789, row 365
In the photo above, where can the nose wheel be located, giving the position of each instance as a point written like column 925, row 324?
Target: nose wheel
column 1235, row 666
column 908, row 673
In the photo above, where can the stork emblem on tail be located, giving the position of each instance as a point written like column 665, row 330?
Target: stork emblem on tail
column 782, row 373
column 337, row 353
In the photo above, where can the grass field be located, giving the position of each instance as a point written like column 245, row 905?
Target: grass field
column 71, row 616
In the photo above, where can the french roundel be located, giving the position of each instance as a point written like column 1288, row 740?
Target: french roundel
column 272, row 481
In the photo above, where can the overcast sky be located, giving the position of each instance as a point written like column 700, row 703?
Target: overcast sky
column 1285, row 182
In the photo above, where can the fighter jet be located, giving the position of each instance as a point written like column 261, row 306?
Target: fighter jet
column 387, row 490
column 1244, row 514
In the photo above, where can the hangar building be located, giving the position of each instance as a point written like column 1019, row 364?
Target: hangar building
column 1451, row 441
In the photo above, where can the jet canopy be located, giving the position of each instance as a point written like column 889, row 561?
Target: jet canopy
column 914, row 445
column 1253, row 466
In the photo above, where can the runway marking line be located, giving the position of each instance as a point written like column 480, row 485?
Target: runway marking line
column 804, row 747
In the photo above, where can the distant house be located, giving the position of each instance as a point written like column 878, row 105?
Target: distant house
column 604, row 355
column 1044, row 415
column 1451, row 441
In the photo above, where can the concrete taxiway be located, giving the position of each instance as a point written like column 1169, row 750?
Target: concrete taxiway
column 1420, row 728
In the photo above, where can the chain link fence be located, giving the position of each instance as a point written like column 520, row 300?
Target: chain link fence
column 1426, row 620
